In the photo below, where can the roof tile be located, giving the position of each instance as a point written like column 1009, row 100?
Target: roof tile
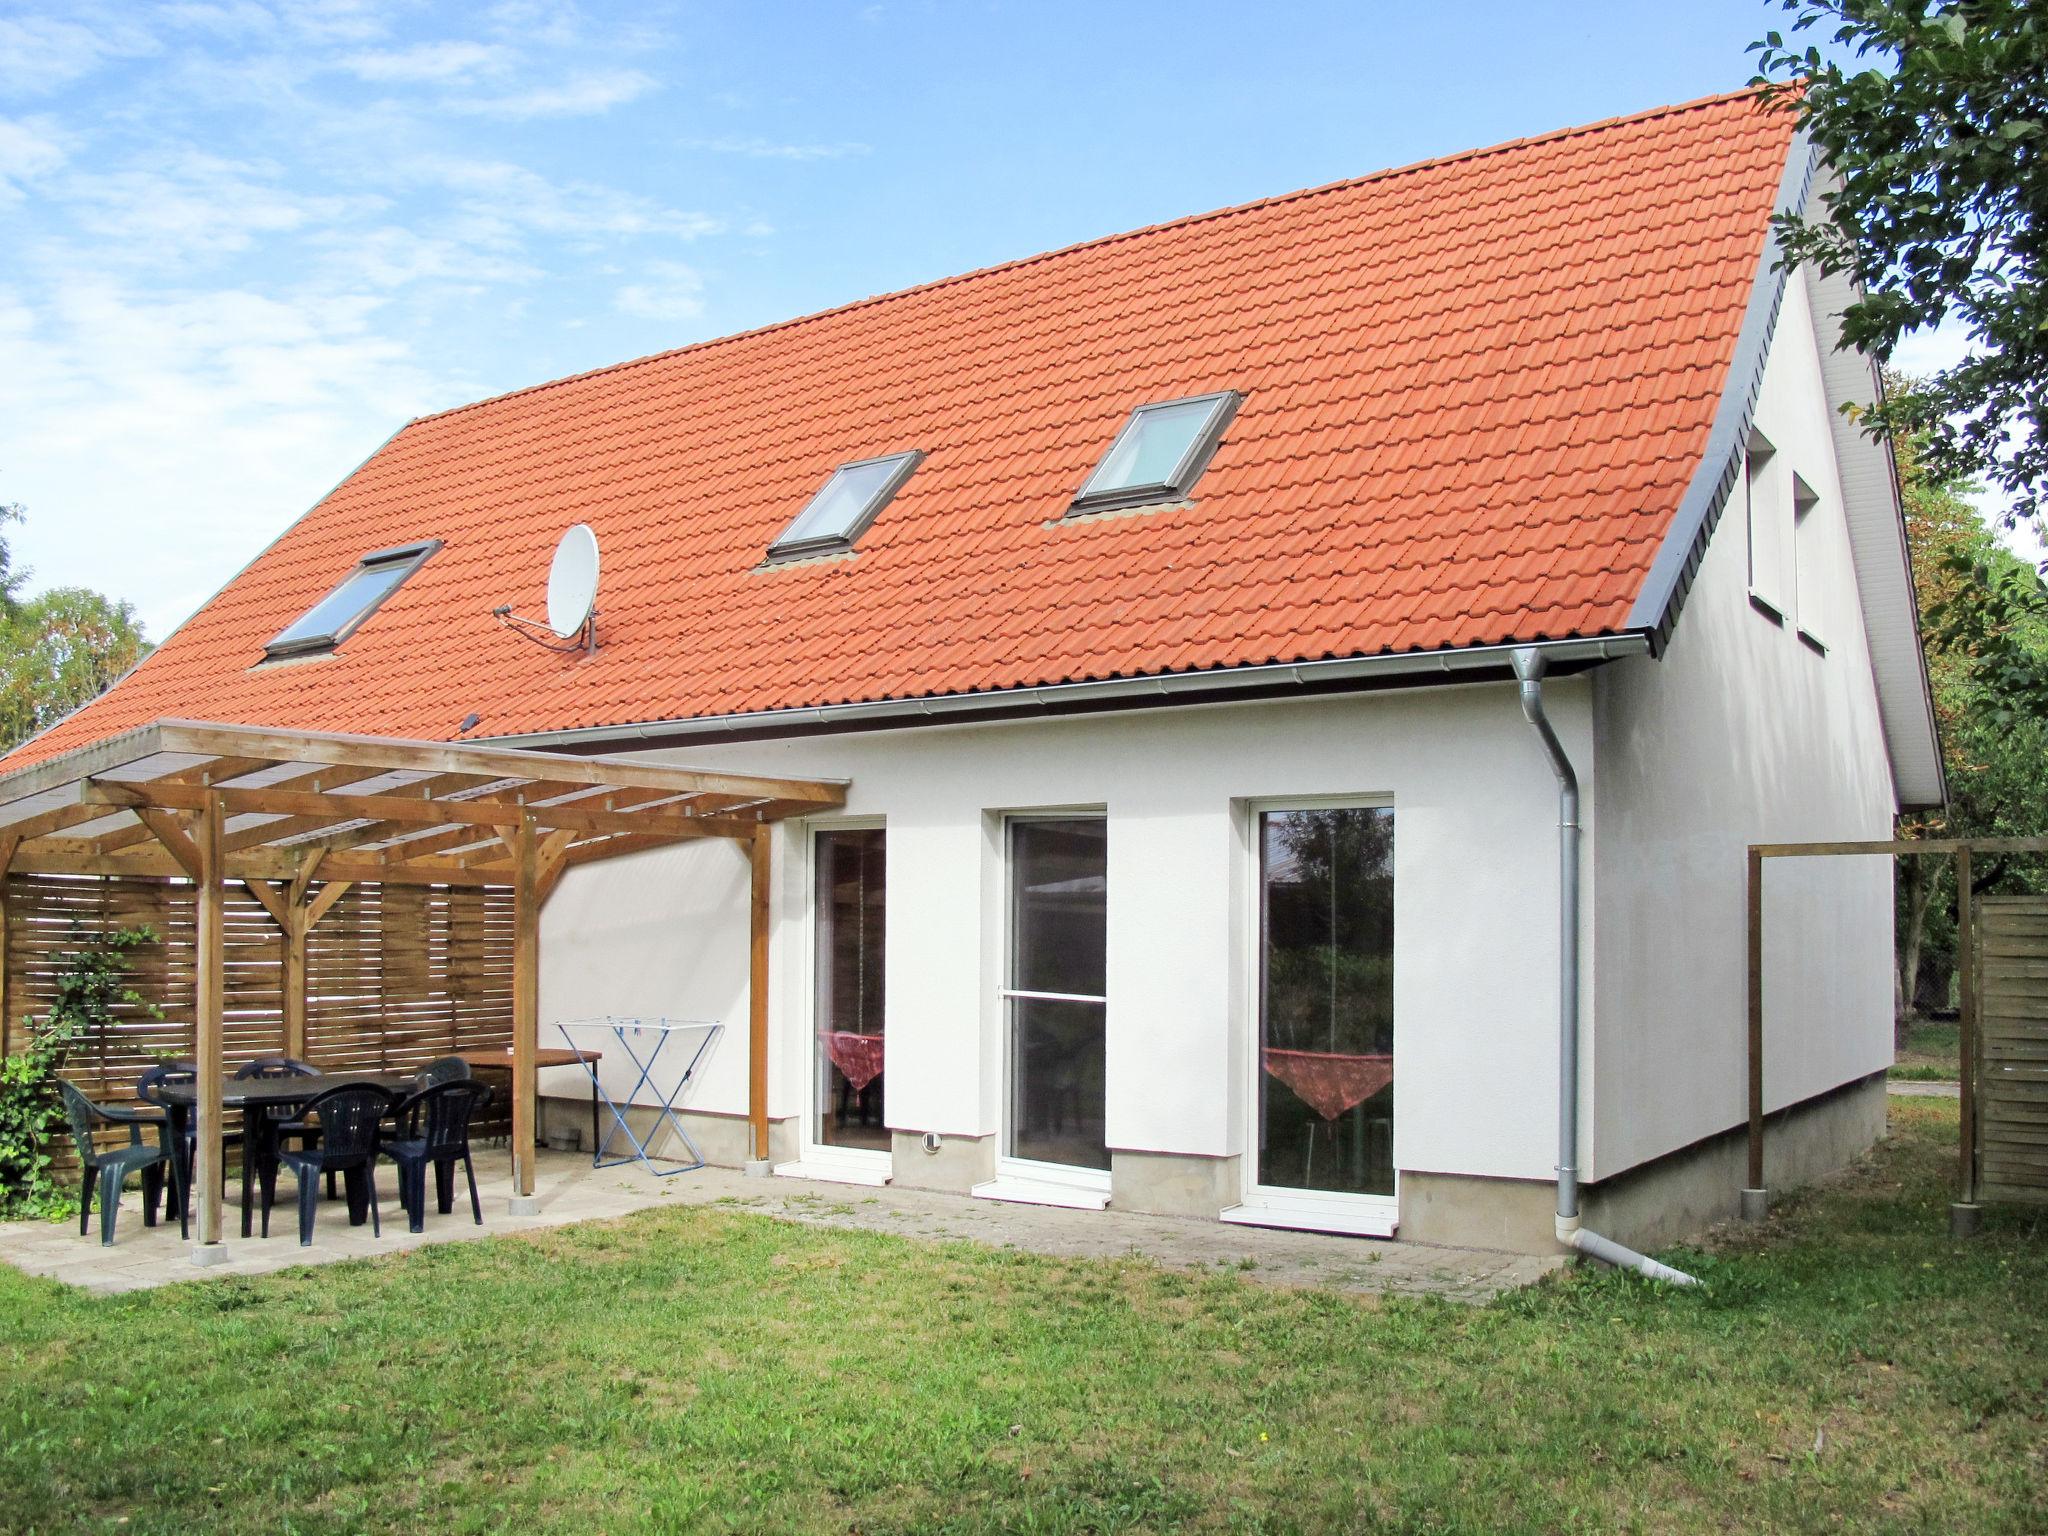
column 1475, row 391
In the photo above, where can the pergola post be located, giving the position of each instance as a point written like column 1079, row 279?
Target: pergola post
column 526, row 902
column 207, row 1170
column 758, row 861
column 294, row 980
column 1964, row 1215
column 1756, row 1199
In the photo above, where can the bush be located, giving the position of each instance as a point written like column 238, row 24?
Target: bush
column 92, row 985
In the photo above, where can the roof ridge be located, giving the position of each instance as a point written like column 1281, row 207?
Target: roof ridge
column 1325, row 189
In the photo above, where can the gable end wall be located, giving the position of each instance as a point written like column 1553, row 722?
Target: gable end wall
column 1740, row 733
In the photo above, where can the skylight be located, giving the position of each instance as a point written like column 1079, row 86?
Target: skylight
column 841, row 512
column 337, row 615
column 1160, row 453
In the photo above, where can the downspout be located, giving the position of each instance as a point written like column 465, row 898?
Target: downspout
column 1530, row 665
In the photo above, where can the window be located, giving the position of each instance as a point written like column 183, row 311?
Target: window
column 341, row 612
column 1160, row 453
column 1057, row 992
column 1770, row 531
column 1326, row 1000
column 841, row 512
column 1808, row 566
column 851, row 899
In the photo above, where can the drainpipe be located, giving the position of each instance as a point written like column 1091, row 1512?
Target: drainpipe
column 1530, row 666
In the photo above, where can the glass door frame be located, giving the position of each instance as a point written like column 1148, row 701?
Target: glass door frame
column 1007, row 997
column 1281, row 1204
column 814, row 1151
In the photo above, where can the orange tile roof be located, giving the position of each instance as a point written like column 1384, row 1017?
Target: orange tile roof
column 1475, row 391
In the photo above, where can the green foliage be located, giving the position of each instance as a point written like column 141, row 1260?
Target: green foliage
column 11, row 579
column 92, row 986
column 58, row 650
column 1937, row 126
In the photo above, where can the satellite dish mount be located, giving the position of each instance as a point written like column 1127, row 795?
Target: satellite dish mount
column 571, row 624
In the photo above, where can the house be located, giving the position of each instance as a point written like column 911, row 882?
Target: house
column 1180, row 609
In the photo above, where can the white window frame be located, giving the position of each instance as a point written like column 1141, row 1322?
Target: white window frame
column 1087, row 1181
column 1279, row 1205
column 815, row 1158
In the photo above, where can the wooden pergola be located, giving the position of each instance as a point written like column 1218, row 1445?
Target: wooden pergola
column 299, row 817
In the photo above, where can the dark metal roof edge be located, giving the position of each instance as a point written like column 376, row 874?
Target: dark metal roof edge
column 1216, row 685
column 1664, row 590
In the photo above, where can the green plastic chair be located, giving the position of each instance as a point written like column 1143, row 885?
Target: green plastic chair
column 110, row 1170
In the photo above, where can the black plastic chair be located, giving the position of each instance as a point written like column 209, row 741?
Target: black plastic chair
column 108, row 1171
column 276, row 1125
column 348, row 1116
column 443, row 1069
column 184, row 1148
column 433, row 1127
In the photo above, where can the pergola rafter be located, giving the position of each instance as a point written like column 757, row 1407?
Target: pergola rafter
column 298, row 818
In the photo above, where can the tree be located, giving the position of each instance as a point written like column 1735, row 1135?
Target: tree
column 58, row 649
column 1984, row 618
column 1938, row 130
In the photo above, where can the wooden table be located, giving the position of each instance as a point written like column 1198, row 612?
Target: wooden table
column 543, row 1056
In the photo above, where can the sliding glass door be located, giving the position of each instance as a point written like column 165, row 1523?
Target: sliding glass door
column 1326, row 1000
column 849, row 900
column 1056, row 996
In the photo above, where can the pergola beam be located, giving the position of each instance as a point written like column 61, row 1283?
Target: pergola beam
column 419, row 810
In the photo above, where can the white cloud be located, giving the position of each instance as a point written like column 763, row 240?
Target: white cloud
column 193, row 204
column 769, row 149
column 672, row 292
column 40, row 54
column 582, row 95
column 494, row 199
column 427, row 63
column 29, row 147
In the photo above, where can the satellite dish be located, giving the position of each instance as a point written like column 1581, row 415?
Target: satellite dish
column 572, row 582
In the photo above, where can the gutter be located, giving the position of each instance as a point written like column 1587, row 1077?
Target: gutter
column 1530, row 666
column 1218, row 684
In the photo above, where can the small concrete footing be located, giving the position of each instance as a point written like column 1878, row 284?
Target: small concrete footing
column 207, row 1255
column 758, row 1167
column 1965, row 1220
column 522, row 1205
column 1756, row 1204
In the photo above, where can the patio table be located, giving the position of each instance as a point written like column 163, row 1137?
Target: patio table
column 254, row 1094
column 500, row 1060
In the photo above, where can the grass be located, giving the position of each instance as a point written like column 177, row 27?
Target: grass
column 1846, row 1367
column 1932, row 1053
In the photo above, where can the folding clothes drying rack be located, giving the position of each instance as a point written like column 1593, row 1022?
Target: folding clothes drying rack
column 642, row 1042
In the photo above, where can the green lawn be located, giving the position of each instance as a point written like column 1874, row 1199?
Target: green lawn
column 712, row 1369
column 1933, row 1053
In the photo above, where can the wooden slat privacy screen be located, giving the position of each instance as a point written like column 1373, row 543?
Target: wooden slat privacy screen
column 395, row 975
column 2012, row 1005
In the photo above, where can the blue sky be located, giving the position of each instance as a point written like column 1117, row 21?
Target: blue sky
column 247, row 239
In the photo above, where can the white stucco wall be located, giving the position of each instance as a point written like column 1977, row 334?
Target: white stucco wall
column 1475, row 860
column 1739, row 733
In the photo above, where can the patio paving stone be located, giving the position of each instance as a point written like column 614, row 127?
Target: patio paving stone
column 572, row 1191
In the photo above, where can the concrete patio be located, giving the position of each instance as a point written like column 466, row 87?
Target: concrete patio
column 570, row 1190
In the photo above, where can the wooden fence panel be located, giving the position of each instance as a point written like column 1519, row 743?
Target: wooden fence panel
column 395, row 976
column 2012, row 1074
